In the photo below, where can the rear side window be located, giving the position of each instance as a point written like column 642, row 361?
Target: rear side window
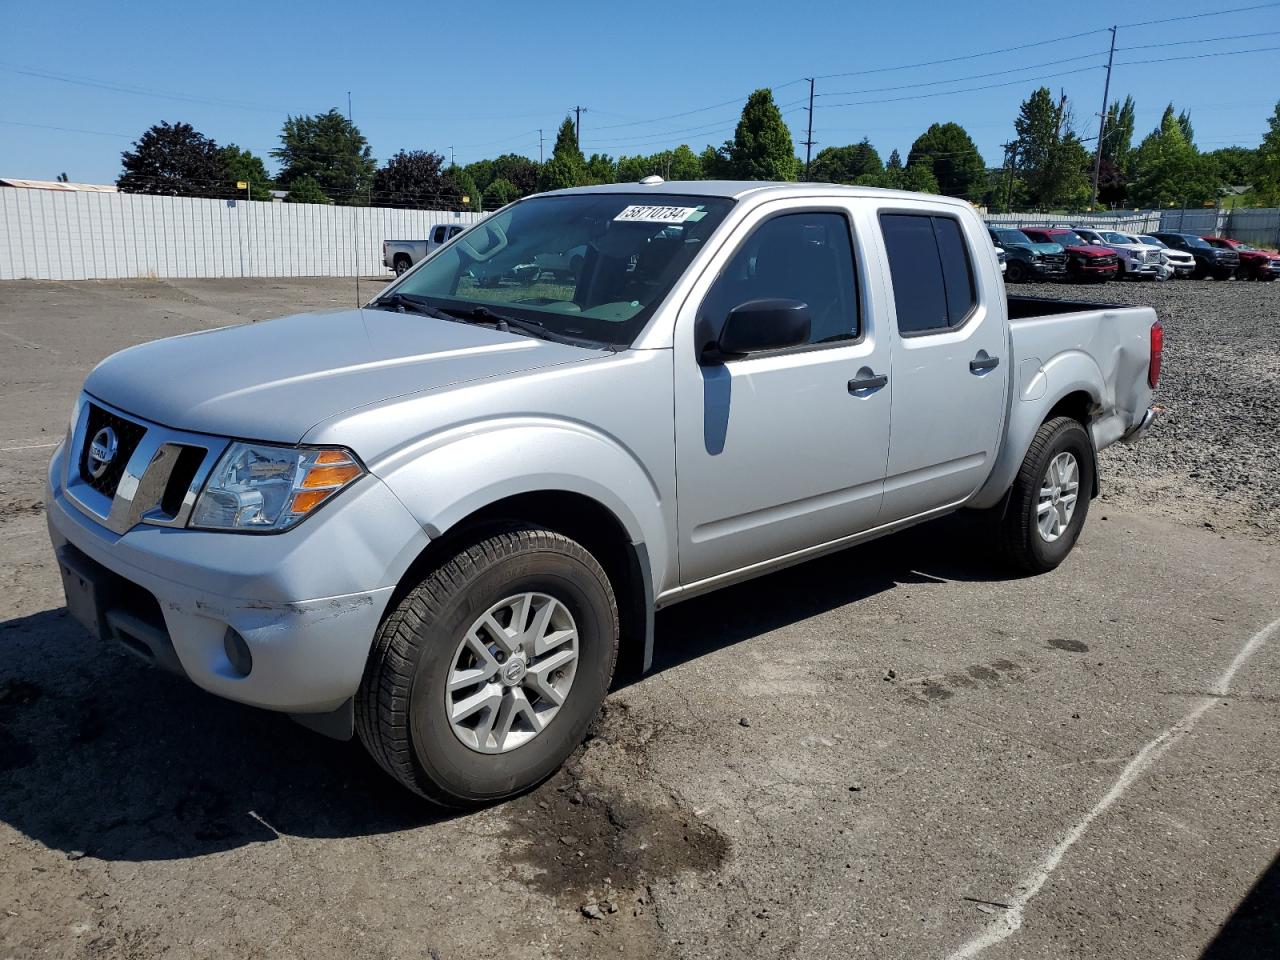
column 437, row 235
column 932, row 274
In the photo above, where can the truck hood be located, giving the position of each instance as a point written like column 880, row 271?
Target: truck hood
column 1092, row 251
column 276, row 379
column 1043, row 247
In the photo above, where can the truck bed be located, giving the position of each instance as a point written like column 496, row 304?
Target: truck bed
column 1027, row 308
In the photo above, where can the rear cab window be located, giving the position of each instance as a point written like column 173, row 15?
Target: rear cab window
column 932, row 274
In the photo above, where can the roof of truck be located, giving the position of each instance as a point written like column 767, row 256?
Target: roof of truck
column 736, row 189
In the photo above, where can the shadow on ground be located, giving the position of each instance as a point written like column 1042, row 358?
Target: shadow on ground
column 102, row 756
column 1252, row 932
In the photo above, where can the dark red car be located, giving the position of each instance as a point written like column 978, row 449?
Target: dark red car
column 1084, row 261
column 1255, row 264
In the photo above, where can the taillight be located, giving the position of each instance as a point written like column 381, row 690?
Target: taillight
column 1157, row 354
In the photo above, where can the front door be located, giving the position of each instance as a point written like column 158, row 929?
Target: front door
column 781, row 451
column 950, row 361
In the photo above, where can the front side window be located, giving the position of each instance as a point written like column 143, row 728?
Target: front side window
column 437, row 235
column 796, row 256
column 932, row 276
column 587, row 266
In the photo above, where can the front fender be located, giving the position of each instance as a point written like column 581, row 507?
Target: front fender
column 1039, row 389
column 446, row 477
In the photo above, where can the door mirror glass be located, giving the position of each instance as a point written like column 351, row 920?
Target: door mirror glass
column 759, row 325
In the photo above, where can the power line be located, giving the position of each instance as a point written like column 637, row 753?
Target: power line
column 1199, row 16
column 45, row 126
column 1197, row 56
column 1183, row 43
column 947, row 93
column 975, row 76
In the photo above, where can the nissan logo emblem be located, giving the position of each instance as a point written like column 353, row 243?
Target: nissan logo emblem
column 102, row 450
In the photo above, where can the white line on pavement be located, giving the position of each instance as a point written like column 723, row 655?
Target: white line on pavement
column 31, row 446
column 1008, row 923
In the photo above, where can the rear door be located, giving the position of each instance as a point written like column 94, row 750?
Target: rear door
column 950, row 358
column 777, row 452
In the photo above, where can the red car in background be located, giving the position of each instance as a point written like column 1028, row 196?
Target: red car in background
column 1085, row 261
column 1255, row 264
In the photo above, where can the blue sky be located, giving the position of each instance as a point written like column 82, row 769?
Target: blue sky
column 483, row 78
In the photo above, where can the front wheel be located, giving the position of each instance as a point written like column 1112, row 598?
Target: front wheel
column 1049, row 500
column 1016, row 271
column 485, row 676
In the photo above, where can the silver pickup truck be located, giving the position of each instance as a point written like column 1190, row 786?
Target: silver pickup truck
column 438, row 521
column 400, row 255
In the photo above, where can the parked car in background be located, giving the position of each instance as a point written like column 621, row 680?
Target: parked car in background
column 1210, row 260
column 454, row 518
column 1135, row 259
column 1084, row 260
column 1255, row 264
column 1182, row 263
column 1028, row 260
column 400, row 255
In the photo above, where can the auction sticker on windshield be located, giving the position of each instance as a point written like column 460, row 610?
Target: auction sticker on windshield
column 646, row 214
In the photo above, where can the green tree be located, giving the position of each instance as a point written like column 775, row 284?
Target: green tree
column 1167, row 169
column 566, row 167
column 63, row 178
column 601, row 168
column 1188, row 131
column 1052, row 161
column 714, row 164
column 761, row 148
column 894, row 162
column 845, row 164
column 953, row 157
column 305, row 189
column 1117, row 143
column 520, row 172
column 173, row 159
column 1266, row 181
column 499, row 193
column 481, row 172
column 332, row 151
column 1235, row 165
column 461, row 190
column 683, row 164
column 413, row 179
column 244, row 166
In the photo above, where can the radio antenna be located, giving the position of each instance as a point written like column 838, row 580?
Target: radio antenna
column 355, row 221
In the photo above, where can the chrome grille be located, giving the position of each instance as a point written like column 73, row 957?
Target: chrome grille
column 127, row 437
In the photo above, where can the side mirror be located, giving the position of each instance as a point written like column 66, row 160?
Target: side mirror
column 760, row 325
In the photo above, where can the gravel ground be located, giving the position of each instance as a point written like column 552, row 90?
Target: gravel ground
column 1212, row 457
column 870, row 755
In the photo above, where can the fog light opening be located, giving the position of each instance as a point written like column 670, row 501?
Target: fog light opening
column 237, row 652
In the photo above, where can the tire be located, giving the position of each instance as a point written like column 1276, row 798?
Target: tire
column 1223, row 274
column 1020, row 539
column 403, row 705
column 1201, row 271
column 1015, row 271
column 401, row 263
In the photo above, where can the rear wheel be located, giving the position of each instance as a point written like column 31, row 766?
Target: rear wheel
column 486, row 676
column 401, row 264
column 1049, row 500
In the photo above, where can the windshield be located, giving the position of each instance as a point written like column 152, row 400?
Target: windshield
column 1012, row 236
column 1120, row 238
column 591, row 266
column 1151, row 240
column 1196, row 242
column 1068, row 238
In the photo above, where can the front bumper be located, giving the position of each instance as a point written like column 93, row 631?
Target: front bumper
column 1041, row 269
column 306, row 602
column 1096, row 269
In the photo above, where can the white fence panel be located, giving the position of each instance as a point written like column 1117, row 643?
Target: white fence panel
column 50, row 235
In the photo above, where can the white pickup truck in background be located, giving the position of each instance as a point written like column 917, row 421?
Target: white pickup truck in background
column 400, row 255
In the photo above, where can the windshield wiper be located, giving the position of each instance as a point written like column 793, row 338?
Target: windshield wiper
column 405, row 302
column 505, row 324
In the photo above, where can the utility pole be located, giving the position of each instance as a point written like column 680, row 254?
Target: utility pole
column 808, row 143
column 577, row 127
column 1102, row 122
column 451, row 161
column 348, row 106
column 540, row 161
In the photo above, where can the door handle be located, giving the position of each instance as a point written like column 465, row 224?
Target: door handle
column 869, row 382
column 983, row 363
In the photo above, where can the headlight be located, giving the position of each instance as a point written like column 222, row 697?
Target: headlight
column 263, row 488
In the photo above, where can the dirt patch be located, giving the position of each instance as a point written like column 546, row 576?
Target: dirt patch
column 1071, row 646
